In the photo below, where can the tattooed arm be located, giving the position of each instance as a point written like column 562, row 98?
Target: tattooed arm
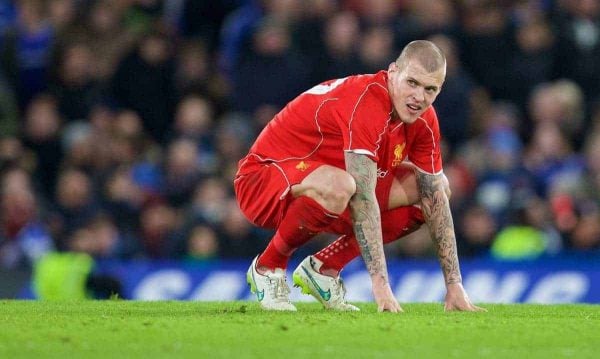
column 366, row 219
column 436, row 209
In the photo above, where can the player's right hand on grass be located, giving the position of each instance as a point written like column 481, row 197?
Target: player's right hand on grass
column 458, row 300
column 386, row 302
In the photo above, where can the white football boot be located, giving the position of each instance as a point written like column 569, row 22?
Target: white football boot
column 270, row 288
column 327, row 290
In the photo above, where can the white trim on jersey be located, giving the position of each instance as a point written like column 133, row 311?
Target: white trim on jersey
column 311, row 152
column 433, row 147
column 275, row 161
column 387, row 124
column 397, row 127
column 361, row 151
column 354, row 110
column 289, row 186
column 426, row 172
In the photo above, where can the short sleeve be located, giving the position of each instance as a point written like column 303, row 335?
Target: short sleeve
column 369, row 117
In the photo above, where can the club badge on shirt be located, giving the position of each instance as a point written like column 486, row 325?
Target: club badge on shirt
column 398, row 149
column 302, row 166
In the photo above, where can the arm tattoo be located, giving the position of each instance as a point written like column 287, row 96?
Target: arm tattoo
column 366, row 216
column 438, row 217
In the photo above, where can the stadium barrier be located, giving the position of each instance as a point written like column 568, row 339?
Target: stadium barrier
column 574, row 280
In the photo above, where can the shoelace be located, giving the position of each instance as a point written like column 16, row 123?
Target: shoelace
column 279, row 289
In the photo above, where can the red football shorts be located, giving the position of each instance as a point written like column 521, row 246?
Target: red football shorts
column 263, row 194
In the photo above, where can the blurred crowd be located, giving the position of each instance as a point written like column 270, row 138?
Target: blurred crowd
column 122, row 121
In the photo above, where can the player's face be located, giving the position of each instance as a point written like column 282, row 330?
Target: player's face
column 413, row 89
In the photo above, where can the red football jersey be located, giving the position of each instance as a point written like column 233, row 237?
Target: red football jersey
column 349, row 114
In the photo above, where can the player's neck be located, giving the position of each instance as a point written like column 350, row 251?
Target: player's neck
column 394, row 114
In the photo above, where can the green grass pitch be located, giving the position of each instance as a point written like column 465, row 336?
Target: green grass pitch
column 128, row 329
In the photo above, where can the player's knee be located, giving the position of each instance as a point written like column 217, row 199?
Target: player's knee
column 338, row 191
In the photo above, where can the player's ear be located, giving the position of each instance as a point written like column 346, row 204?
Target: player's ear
column 393, row 67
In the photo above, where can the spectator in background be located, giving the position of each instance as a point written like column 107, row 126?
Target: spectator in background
column 144, row 82
column 339, row 57
column 193, row 69
column 27, row 49
column 102, row 239
column 202, row 245
column 533, row 61
column 376, row 48
column 12, row 153
column 592, row 159
column 194, row 120
column 558, row 172
column 236, row 31
column 41, row 135
column 75, row 88
column 575, row 201
column 8, row 15
column 376, row 12
column 455, row 102
column 586, row 236
column 561, row 103
column 108, row 36
column 308, row 29
column 102, row 117
column 209, row 201
column 78, row 146
column 123, row 199
column 158, row 225
column 211, row 15
column 72, row 274
column 143, row 16
column 233, row 138
column 239, row 238
column 195, row 75
column 75, row 204
column 270, row 59
column 579, row 45
column 503, row 177
column 551, row 158
column 62, row 14
column 476, row 230
column 493, row 158
column 130, row 142
column 135, row 153
column 182, row 171
column 487, row 46
column 239, row 28
column 462, row 183
column 529, row 235
column 9, row 115
column 426, row 18
column 24, row 238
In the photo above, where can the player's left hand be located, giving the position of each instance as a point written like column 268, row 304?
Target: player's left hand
column 457, row 299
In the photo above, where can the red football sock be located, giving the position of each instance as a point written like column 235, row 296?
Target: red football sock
column 339, row 253
column 303, row 220
column 395, row 224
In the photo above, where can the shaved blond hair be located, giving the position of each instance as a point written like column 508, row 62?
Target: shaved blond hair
column 425, row 52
